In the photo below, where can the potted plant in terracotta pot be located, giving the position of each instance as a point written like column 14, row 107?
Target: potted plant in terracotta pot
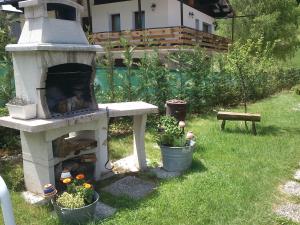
column 21, row 109
column 177, row 147
column 77, row 204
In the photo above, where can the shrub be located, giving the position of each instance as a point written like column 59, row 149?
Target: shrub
column 70, row 201
column 129, row 74
column 171, row 133
column 154, row 81
column 246, row 73
column 297, row 89
column 13, row 175
column 6, row 80
column 9, row 138
column 3, row 111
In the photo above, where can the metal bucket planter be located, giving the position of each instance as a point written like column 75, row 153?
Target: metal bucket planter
column 177, row 159
column 76, row 216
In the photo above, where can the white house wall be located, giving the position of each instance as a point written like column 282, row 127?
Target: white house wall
column 101, row 14
column 166, row 14
column 175, row 19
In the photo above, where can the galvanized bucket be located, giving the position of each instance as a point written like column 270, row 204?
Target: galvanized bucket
column 177, row 159
column 76, row 216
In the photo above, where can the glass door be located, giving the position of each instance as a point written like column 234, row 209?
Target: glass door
column 115, row 23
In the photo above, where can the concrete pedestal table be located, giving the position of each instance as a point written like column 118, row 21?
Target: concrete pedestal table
column 139, row 111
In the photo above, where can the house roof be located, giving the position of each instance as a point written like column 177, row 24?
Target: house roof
column 10, row 2
column 9, row 8
column 214, row 8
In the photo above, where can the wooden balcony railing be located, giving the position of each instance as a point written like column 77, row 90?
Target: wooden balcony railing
column 163, row 38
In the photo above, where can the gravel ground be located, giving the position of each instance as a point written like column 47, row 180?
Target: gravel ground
column 292, row 188
column 289, row 211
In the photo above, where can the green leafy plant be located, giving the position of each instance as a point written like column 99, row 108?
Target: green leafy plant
column 248, row 62
column 171, row 133
column 78, row 193
column 6, row 80
column 12, row 173
column 179, row 59
column 277, row 21
column 154, row 80
column 108, row 63
column 129, row 63
column 70, row 201
column 297, row 89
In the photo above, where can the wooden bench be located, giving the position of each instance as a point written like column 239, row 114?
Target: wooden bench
column 233, row 116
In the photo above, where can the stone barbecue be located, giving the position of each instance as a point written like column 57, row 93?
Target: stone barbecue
column 53, row 62
column 54, row 68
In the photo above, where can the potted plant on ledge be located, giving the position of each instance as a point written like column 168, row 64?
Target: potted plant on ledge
column 176, row 147
column 21, row 109
column 77, row 204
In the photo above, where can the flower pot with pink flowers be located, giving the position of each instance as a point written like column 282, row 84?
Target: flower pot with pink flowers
column 177, row 146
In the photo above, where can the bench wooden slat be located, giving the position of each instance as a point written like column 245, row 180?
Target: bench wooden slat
column 239, row 116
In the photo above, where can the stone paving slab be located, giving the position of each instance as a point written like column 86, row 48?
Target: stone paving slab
column 163, row 174
column 292, row 188
column 104, row 211
column 34, row 199
column 125, row 165
column 131, row 186
column 290, row 211
column 297, row 108
column 297, row 175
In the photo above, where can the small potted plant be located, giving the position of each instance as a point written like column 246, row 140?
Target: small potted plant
column 21, row 109
column 77, row 204
column 176, row 146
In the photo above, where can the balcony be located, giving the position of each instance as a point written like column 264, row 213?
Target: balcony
column 163, row 38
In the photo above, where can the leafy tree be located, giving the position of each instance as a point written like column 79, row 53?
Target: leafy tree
column 6, row 80
column 129, row 63
column 108, row 63
column 154, row 80
column 276, row 21
column 248, row 62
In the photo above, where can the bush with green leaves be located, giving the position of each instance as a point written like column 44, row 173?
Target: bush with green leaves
column 154, row 80
column 3, row 111
column 277, row 21
column 252, row 65
column 12, row 173
column 9, row 138
column 170, row 133
column 7, row 79
column 70, row 201
column 247, row 72
column 129, row 92
column 297, row 89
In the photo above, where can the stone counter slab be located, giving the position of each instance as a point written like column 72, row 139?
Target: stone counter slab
column 40, row 125
column 128, row 108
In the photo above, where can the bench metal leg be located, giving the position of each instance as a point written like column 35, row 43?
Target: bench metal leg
column 223, row 124
column 254, row 128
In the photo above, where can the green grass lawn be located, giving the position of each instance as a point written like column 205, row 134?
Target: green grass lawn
column 234, row 179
